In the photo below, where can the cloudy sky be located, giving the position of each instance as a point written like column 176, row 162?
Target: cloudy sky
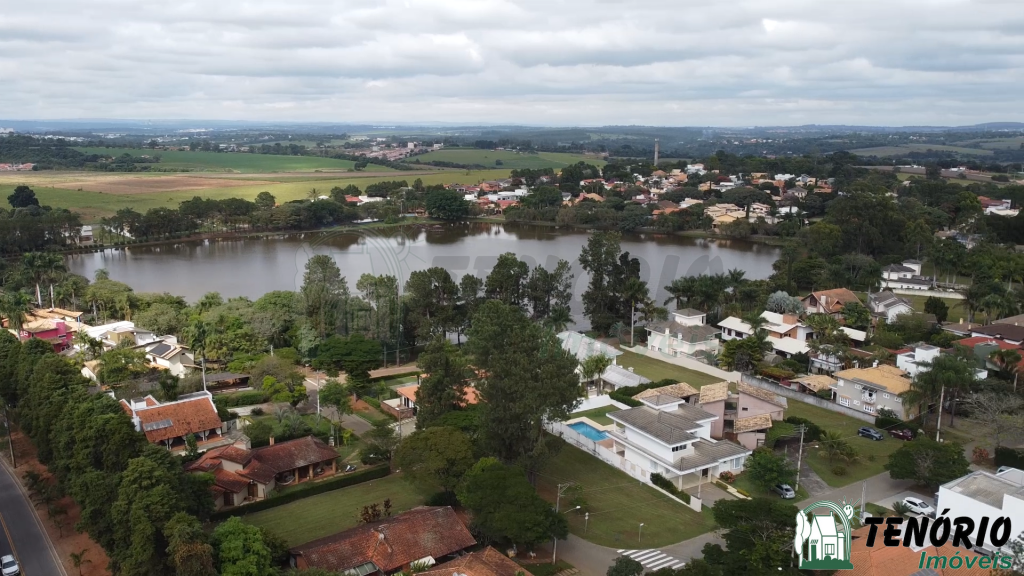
column 547, row 62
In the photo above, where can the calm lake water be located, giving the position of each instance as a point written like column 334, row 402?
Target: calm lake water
column 256, row 265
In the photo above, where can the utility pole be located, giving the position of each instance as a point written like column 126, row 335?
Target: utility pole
column 863, row 503
column 203, row 364
column 799, row 457
column 640, row 534
column 558, row 499
column 938, row 426
column 10, row 437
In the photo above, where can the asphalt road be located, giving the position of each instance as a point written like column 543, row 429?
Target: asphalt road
column 21, row 532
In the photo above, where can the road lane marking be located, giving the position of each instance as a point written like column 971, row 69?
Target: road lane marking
column 11, row 541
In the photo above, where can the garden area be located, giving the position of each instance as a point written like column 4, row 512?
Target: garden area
column 745, row 484
column 617, row 504
column 331, row 512
column 599, row 415
column 658, row 370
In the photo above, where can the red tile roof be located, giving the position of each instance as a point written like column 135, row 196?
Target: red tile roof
column 229, row 481
column 486, row 562
column 269, row 461
column 177, row 419
column 975, row 340
column 833, row 300
column 390, row 544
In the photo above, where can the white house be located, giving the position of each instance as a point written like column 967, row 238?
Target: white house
column 583, row 346
column 787, row 335
column 982, row 494
column 887, row 305
column 905, row 276
column 170, row 356
column 920, row 358
column 672, row 438
column 685, row 334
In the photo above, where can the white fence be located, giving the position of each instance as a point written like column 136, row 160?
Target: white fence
column 599, row 402
column 806, row 398
column 580, row 441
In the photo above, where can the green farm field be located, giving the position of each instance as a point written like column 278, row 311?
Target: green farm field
column 235, row 161
column 904, row 149
column 509, row 159
column 96, row 195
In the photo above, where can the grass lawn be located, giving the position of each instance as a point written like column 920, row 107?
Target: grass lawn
column 545, row 569
column 236, row 161
column 509, row 159
column 745, row 483
column 658, row 370
column 597, row 414
column 903, row 149
column 956, row 310
column 324, row 514
column 618, row 504
column 857, row 471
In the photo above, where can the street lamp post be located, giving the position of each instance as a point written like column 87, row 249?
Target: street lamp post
column 586, row 522
column 640, row 533
column 554, row 547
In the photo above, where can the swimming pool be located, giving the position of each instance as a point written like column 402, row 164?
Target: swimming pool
column 588, row 431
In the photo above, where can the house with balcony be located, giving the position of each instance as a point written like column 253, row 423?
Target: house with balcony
column 668, row 435
column 686, row 333
column 744, row 416
column 167, row 354
column 787, row 335
column 829, row 302
column 169, row 424
column 871, row 389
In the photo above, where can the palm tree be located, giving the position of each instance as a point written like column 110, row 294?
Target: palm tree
column 681, row 290
column 78, row 560
column 634, row 292
column 593, row 366
column 974, row 295
column 90, row 348
column 559, row 318
column 15, row 306
column 1008, row 362
column 42, row 266
column 834, row 445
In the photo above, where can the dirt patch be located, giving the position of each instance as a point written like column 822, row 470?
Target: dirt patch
column 127, row 185
column 66, row 539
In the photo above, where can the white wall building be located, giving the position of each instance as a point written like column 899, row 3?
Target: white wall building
column 905, row 276
column 685, row 334
column 982, row 494
column 888, row 305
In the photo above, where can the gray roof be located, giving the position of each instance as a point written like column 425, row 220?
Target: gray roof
column 985, row 487
column 671, row 427
column 618, row 376
column 662, row 400
column 689, row 312
column 705, row 453
column 698, row 333
column 584, row 347
column 1002, row 331
column 897, row 268
column 887, row 300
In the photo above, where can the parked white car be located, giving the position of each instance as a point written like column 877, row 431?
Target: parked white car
column 918, row 506
column 9, row 566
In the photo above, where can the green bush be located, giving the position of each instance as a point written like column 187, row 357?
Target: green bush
column 839, row 470
column 663, row 483
column 1010, row 457
column 245, row 398
column 813, row 432
column 311, row 489
column 288, row 354
column 778, row 430
column 626, row 393
column 744, row 492
column 776, row 373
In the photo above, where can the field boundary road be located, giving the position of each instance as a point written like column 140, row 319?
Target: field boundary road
column 23, row 532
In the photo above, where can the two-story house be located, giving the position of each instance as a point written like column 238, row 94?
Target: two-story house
column 685, row 334
column 669, row 436
column 786, row 334
column 920, row 358
column 744, row 416
column 887, row 306
column 905, row 276
column 871, row 389
column 167, row 354
column 983, row 495
column 829, row 302
column 171, row 423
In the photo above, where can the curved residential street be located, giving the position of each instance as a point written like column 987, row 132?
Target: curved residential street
column 21, row 532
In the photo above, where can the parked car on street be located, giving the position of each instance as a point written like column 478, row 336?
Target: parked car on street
column 918, row 506
column 784, row 490
column 902, row 434
column 9, row 566
column 870, row 433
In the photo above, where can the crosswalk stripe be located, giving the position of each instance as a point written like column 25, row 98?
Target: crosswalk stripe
column 652, row 559
column 646, row 555
column 621, row 551
column 635, row 553
column 662, row 563
column 680, row 565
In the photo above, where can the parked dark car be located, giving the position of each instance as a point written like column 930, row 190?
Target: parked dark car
column 902, row 434
column 870, row 433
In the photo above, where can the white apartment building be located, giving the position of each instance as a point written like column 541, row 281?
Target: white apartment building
column 982, row 494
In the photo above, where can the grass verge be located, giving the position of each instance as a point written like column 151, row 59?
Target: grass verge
column 597, row 414
column 658, row 370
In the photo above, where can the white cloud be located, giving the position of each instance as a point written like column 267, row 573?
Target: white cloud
column 694, row 62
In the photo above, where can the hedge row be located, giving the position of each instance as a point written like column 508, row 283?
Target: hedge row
column 663, row 483
column 311, row 489
column 390, row 376
column 1010, row 457
column 244, row 398
column 626, row 393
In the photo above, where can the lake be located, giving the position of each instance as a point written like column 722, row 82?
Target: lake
column 253, row 266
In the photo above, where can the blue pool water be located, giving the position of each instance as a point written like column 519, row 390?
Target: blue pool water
column 588, row 431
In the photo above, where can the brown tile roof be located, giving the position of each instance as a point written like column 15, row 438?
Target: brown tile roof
column 833, row 300
column 229, row 481
column 891, row 378
column 899, row 560
column 392, row 543
column 714, row 392
column 677, row 390
column 270, row 461
column 766, row 395
column 236, row 455
column 486, row 562
column 176, row 419
column 759, row 422
column 816, row 382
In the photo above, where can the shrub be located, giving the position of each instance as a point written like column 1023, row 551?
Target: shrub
column 839, row 470
column 979, row 455
column 813, row 432
column 721, row 485
column 871, row 457
column 727, row 477
column 626, row 393
column 1009, row 457
column 663, row 483
column 308, row 490
column 245, row 398
column 257, row 411
column 744, row 492
column 442, row 498
column 779, row 430
column 776, row 373
column 824, row 393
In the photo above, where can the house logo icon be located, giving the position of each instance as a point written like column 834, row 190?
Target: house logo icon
column 822, row 541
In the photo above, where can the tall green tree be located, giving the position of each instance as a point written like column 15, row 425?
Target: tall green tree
column 507, row 281
column 432, row 296
column 446, row 205
column 600, row 259
column 928, row 462
column 241, row 550
column 325, row 296
column 440, row 456
column 758, row 536
column 549, row 290
column 766, row 468
column 443, row 388
column 188, row 547
column 527, row 379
